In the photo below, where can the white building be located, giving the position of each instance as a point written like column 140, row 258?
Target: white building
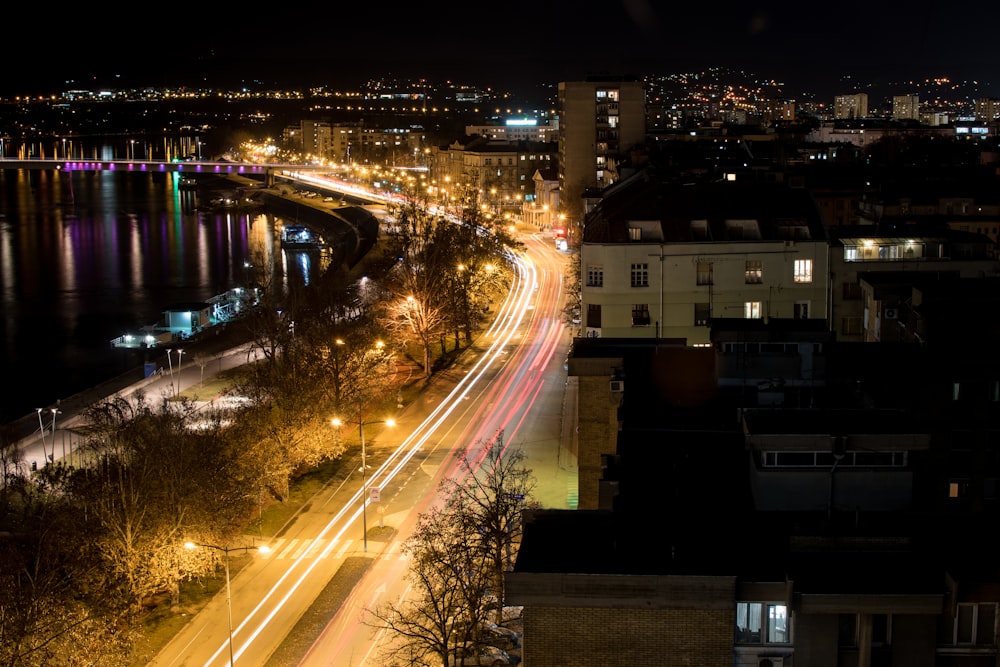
column 660, row 260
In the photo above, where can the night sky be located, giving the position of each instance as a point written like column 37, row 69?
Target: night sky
column 507, row 45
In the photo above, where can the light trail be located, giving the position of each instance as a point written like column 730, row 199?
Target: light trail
column 502, row 331
column 506, row 402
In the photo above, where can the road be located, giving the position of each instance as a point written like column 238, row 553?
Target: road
column 512, row 382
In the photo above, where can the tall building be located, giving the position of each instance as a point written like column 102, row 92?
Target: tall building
column 987, row 109
column 599, row 121
column 846, row 107
column 906, row 107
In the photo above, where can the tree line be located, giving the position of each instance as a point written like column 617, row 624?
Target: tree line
column 88, row 549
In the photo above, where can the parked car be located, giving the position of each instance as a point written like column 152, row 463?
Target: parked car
column 501, row 637
column 486, row 655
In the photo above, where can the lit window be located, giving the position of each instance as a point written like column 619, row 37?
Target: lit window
column 803, row 271
column 754, row 272
column 751, row 310
column 761, row 623
column 704, row 273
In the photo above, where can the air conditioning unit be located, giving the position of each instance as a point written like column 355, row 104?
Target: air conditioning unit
column 617, row 386
column 891, row 313
column 770, row 662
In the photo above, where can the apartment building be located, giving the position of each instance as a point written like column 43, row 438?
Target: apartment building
column 906, row 107
column 910, row 252
column 599, row 121
column 351, row 142
column 662, row 259
column 752, row 513
column 516, row 129
column 987, row 109
column 846, row 107
column 499, row 174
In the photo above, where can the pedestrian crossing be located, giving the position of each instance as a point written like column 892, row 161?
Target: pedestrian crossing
column 319, row 548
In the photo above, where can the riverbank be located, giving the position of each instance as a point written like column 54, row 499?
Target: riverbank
column 356, row 227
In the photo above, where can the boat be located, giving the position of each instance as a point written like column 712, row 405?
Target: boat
column 300, row 237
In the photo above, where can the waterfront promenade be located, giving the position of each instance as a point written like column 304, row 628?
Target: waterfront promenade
column 54, row 437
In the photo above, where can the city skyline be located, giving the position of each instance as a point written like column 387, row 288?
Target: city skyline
column 514, row 46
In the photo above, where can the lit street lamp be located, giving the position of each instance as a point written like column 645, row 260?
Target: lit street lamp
column 170, row 364
column 41, row 429
column 229, row 599
column 364, row 470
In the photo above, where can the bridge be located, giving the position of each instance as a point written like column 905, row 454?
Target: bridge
column 187, row 166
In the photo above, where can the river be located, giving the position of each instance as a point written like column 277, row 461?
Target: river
column 88, row 256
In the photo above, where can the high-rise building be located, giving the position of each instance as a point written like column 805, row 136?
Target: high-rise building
column 906, row 107
column 846, row 107
column 988, row 109
column 599, row 121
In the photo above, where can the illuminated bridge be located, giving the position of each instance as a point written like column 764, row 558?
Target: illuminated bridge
column 187, row 167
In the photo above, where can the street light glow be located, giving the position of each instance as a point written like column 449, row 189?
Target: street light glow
column 262, row 548
column 364, row 470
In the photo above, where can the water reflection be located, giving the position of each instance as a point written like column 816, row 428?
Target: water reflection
column 88, row 256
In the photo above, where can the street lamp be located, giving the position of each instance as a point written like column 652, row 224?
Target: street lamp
column 170, row 364
column 55, row 411
column 364, row 471
column 41, row 428
column 229, row 599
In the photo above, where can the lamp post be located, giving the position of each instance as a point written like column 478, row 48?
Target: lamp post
column 55, row 411
column 170, row 364
column 177, row 391
column 41, row 429
column 229, row 599
column 364, row 471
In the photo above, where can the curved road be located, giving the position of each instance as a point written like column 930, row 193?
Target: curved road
column 512, row 382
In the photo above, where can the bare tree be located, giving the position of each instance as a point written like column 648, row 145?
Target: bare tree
column 488, row 497
column 449, row 584
column 415, row 288
column 459, row 553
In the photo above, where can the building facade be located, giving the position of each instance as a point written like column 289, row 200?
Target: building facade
column 599, row 122
column 846, row 107
column 906, row 107
column 662, row 260
column 496, row 174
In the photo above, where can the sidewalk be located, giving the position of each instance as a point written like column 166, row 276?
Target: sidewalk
column 551, row 450
column 56, row 437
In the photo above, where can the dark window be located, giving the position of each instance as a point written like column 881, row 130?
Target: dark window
column 594, row 315
column 640, row 315
column 640, row 275
column 702, row 313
